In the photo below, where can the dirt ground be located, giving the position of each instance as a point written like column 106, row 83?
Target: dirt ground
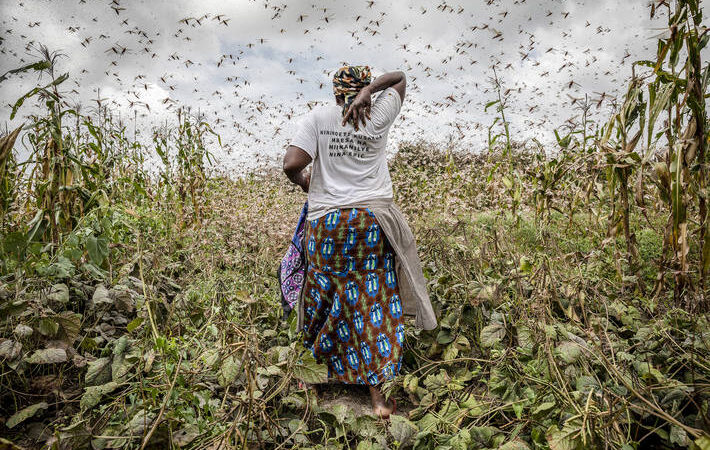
column 354, row 397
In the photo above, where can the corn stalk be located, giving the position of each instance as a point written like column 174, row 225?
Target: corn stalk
column 8, row 174
column 681, row 90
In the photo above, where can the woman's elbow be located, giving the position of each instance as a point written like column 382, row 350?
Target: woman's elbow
column 290, row 166
column 295, row 160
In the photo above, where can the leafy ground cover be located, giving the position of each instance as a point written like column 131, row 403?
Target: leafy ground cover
column 177, row 337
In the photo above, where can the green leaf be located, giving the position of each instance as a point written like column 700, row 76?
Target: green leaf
column 658, row 104
column 507, row 182
column 93, row 394
column 210, row 357
column 706, row 255
column 451, row 352
column 679, row 436
column 564, row 439
column 100, row 297
column 402, row 429
column 25, row 413
column 525, row 265
column 339, row 412
column 59, row 293
column 52, row 97
column 444, row 336
column 59, row 80
column 15, row 243
column 662, row 433
column 120, row 345
column 60, row 269
column 97, row 249
column 484, row 434
column 38, row 66
column 515, row 445
column 646, row 370
column 586, row 383
column 48, row 356
column 140, row 422
column 310, row 371
column 492, row 334
column 369, row 445
column 120, row 367
column 569, row 351
column 229, row 370
column 70, row 324
column 543, row 408
column 98, row 372
column 703, row 442
column 489, row 104
column 23, row 331
column 273, row 370
column 451, row 412
column 441, row 383
column 10, row 349
column 461, row 440
column 133, row 324
column 48, row 327
column 411, row 382
column 428, row 422
column 294, row 400
column 474, row 406
column 526, row 342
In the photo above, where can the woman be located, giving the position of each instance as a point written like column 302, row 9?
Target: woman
column 363, row 273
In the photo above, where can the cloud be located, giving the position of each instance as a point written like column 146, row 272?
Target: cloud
column 253, row 67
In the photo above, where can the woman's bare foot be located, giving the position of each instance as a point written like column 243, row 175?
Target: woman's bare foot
column 380, row 407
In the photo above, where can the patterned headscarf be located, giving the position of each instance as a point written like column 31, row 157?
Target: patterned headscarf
column 347, row 82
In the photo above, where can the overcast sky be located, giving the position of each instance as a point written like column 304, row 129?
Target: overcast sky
column 252, row 67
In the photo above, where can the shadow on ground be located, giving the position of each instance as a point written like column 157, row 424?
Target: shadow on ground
column 354, row 397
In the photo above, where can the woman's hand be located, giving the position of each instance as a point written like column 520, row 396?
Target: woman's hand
column 305, row 181
column 359, row 108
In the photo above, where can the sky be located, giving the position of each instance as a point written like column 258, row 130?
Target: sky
column 252, row 68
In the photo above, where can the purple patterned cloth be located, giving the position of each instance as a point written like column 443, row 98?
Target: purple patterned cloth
column 291, row 270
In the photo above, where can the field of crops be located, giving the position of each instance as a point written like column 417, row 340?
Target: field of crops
column 142, row 310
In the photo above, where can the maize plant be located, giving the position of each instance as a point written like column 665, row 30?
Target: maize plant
column 192, row 156
column 8, row 174
column 618, row 149
column 679, row 88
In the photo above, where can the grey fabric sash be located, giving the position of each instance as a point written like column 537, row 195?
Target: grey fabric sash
column 412, row 285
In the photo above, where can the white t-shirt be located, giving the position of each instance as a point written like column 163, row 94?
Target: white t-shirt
column 348, row 166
